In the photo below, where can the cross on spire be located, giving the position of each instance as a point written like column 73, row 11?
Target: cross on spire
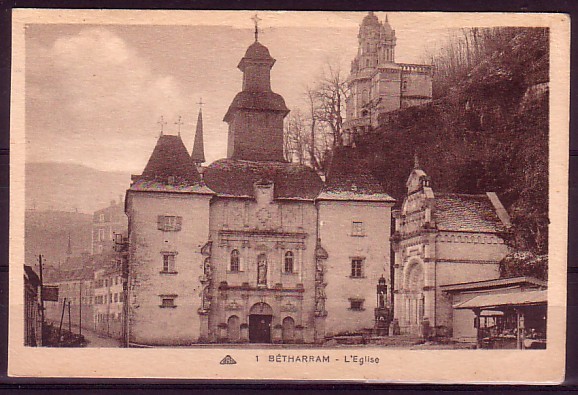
column 256, row 19
column 179, row 123
column 415, row 161
column 200, row 103
column 162, row 124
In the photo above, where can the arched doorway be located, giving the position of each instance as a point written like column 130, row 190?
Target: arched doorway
column 414, row 303
column 260, row 317
column 288, row 333
column 233, row 328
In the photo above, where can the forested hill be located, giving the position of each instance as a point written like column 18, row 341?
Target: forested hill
column 487, row 130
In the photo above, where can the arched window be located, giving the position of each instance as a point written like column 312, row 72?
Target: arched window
column 235, row 261
column 289, row 262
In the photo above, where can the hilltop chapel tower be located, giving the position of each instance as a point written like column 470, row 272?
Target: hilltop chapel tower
column 377, row 84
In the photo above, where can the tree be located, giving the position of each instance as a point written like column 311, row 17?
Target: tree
column 330, row 93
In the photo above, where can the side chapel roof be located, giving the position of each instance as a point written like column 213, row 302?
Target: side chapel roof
column 237, row 178
column 350, row 178
column 466, row 213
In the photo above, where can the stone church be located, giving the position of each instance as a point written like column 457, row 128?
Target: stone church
column 442, row 239
column 252, row 248
column 377, row 84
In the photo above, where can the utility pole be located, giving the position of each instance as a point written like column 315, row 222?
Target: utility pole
column 69, row 320
column 80, row 310
column 61, row 319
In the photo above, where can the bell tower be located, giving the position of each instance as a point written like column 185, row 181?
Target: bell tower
column 255, row 116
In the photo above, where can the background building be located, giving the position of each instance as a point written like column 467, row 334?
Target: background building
column 377, row 84
column 32, row 306
column 108, row 301
column 105, row 223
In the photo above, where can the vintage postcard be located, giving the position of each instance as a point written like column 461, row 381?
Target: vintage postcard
column 344, row 196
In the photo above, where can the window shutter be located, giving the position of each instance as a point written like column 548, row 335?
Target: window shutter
column 179, row 223
column 161, row 222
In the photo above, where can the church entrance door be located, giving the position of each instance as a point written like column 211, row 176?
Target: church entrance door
column 260, row 328
column 260, row 317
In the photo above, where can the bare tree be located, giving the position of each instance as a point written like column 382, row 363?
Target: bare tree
column 330, row 93
column 310, row 135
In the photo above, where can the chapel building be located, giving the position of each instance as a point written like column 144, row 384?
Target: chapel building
column 254, row 249
column 377, row 84
column 443, row 240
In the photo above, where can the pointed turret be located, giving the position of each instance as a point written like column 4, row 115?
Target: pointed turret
column 198, row 155
column 69, row 247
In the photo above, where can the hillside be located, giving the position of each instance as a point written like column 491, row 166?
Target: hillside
column 46, row 233
column 72, row 187
column 489, row 132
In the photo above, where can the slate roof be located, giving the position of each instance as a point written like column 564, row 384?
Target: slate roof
column 262, row 101
column 466, row 213
column 525, row 298
column 31, row 275
column 497, row 283
column 170, row 159
column 198, row 154
column 232, row 177
column 350, row 178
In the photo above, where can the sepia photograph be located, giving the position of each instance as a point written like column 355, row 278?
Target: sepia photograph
column 289, row 191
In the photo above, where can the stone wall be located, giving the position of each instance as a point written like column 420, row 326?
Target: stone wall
column 335, row 231
column 150, row 323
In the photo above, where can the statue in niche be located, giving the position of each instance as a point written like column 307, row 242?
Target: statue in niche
column 207, row 270
column 206, row 300
column 262, row 269
column 320, row 299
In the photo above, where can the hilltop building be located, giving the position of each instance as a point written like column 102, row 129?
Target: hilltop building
column 257, row 249
column 377, row 84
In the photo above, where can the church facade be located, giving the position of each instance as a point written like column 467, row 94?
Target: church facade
column 377, row 84
column 442, row 239
column 254, row 248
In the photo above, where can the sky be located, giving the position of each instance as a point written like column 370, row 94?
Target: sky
column 95, row 92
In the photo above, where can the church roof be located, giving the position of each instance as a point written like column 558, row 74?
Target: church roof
column 262, row 100
column 370, row 19
column 257, row 51
column 237, row 178
column 466, row 213
column 198, row 154
column 350, row 178
column 170, row 159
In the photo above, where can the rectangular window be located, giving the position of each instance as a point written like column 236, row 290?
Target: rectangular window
column 168, row 301
column 121, row 297
column 357, row 267
column 109, row 298
column 101, row 234
column 356, row 304
column 357, row 229
column 115, row 297
column 169, row 223
column 168, row 263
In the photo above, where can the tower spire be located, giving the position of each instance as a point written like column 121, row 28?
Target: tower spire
column 69, row 247
column 198, row 154
column 256, row 19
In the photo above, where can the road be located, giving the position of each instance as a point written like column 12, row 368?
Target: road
column 95, row 339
